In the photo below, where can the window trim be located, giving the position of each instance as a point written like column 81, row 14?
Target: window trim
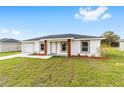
column 66, row 46
column 44, row 47
column 88, row 46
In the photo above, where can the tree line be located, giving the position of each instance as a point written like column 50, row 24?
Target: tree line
column 111, row 39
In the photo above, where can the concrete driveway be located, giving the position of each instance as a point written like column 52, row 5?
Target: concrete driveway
column 24, row 55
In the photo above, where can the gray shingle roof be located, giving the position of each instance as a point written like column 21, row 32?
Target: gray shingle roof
column 75, row 36
column 7, row 40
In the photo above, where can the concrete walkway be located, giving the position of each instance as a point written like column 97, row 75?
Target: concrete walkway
column 33, row 56
column 23, row 55
column 9, row 57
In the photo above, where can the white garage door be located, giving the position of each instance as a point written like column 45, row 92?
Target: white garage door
column 28, row 48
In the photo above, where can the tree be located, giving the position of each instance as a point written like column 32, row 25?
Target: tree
column 111, row 38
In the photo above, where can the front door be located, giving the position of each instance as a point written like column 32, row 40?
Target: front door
column 53, row 47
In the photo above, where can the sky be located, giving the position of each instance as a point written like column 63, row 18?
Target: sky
column 21, row 22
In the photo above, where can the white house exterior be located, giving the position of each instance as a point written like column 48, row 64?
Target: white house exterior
column 63, row 45
column 121, row 45
column 9, row 45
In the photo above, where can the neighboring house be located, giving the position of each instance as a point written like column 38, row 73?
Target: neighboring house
column 9, row 45
column 63, row 45
column 121, row 44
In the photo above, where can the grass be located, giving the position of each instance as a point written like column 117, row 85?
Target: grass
column 61, row 71
column 8, row 53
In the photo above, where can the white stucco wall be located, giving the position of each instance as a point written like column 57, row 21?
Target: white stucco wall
column 121, row 45
column 95, row 48
column 22, row 48
column 0, row 48
column 39, row 47
column 94, row 45
column 35, row 47
column 75, row 48
column 48, row 47
column 59, row 52
column 9, row 47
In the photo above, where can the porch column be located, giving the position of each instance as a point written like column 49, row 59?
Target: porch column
column 45, row 44
column 69, row 47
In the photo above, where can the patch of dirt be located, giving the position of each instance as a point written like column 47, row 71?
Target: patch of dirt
column 3, row 79
column 98, row 66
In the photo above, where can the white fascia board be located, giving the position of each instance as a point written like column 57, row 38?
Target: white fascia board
column 59, row 39
column 90, row 39
column 30, row 41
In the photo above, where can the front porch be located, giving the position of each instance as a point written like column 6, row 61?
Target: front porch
column 58, row 47
column 53, row 48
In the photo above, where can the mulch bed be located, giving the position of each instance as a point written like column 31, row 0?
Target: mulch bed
column 38, row 54
column 84, row 57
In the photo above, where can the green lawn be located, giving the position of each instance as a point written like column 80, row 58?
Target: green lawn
column 61, row 71
column 8, row 53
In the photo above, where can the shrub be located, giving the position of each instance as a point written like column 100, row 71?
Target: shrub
column 103, row 52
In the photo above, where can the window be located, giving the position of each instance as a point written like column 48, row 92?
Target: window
column 85, row 46
column 63, row 46
column 42, row 46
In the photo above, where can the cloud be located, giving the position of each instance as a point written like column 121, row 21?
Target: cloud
column 15, row 32
column 8, row 31
column 107, row 15
column 5, row 31
column 39, row 33
column 87, row 14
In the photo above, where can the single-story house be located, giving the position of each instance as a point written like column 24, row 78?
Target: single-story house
column 63, row 45
column 9, row 45
column 121, row 44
